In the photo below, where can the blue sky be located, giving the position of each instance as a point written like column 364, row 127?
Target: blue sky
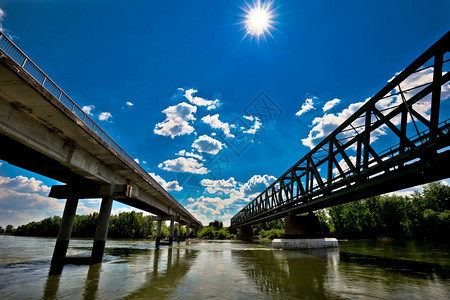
column 214, row 113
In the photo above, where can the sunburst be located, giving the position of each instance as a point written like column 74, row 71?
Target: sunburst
column 259, row 19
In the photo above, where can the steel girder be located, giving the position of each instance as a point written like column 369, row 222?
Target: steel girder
column 397, row 139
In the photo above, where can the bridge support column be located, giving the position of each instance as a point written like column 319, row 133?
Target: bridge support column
column 188, row 230
column 245, row 233
column 179, row 233
column 65, row 231
column 101, row 231
column 302, row 226
column 158, row 232
column 303, row 232
column 172, row 225
column 196, row 230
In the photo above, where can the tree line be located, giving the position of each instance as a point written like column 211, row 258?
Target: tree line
column 421, row 215
column 124, row 225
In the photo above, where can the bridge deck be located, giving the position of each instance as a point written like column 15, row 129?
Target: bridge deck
column 43, row 130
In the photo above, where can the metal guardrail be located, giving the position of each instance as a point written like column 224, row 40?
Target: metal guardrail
column 319, row 173
column 10, row 49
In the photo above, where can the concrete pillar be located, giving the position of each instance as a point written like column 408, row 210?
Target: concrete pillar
column 245, row 233
column 302, row 226
column 188, row 230
column 172, row 225
column 158, row 232
column 101, row 231
column 179, row 232
column 65, row 230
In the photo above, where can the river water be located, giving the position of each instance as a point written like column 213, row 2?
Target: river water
column 362, row 269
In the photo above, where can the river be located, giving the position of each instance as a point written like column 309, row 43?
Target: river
column 134, row 269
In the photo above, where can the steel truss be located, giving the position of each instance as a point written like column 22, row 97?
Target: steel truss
column 397, row 139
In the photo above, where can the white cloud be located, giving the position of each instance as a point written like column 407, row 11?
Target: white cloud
column 256, row 185
column 121, row 210
column 177, row 120
column 105, row 116
column 215, row 123
column 2, row 17
column 344, row 166
column 170, row 186
column 183, row 164
column 88, row 109
column 189, row 154
column 210, row 104
column 207, row 144
column 136, row 160
column 2, row 28
column 322, row 126
column 226, row 196
column 306, row 106
column 24, row 184
column 330, row 104
column 128, row 103
column 255, row 126
column 220, row 186
column 18, row 208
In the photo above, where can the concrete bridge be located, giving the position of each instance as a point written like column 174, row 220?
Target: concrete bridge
column 44, row 131
column 398, row 139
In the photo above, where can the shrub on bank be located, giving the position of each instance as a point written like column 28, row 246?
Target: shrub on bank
column 214, row 232
column 271, row 234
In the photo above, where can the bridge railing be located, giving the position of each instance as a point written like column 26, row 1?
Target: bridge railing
column 390, row 130
column 10, row 49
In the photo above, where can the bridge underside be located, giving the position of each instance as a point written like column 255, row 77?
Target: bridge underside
column 27, row 158
column 38, row 132
column 44, row 131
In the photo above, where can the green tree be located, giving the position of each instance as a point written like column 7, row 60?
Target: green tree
column 436, row 196
column 207, row 233
column 9, row 229
column 2, row 230
column 217, row 225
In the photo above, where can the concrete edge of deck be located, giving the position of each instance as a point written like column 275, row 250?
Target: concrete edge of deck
column 295, row 244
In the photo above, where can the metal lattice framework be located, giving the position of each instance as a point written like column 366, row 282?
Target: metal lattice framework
column 399, row 138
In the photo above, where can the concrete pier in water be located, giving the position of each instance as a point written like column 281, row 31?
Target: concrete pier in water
column 303, row 232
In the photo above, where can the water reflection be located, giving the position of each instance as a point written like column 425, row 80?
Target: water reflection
column 288, row 274
column 161, row 282
column 51, row 287
column 92, row 280
column 403, row 266
column 228, row 270
column 163, row 269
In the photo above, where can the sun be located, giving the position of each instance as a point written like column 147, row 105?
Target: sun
column 259, row 19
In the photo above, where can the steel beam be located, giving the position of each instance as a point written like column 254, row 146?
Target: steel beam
column 373, row 169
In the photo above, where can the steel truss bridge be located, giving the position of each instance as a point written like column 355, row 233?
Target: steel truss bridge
column 397, row 139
